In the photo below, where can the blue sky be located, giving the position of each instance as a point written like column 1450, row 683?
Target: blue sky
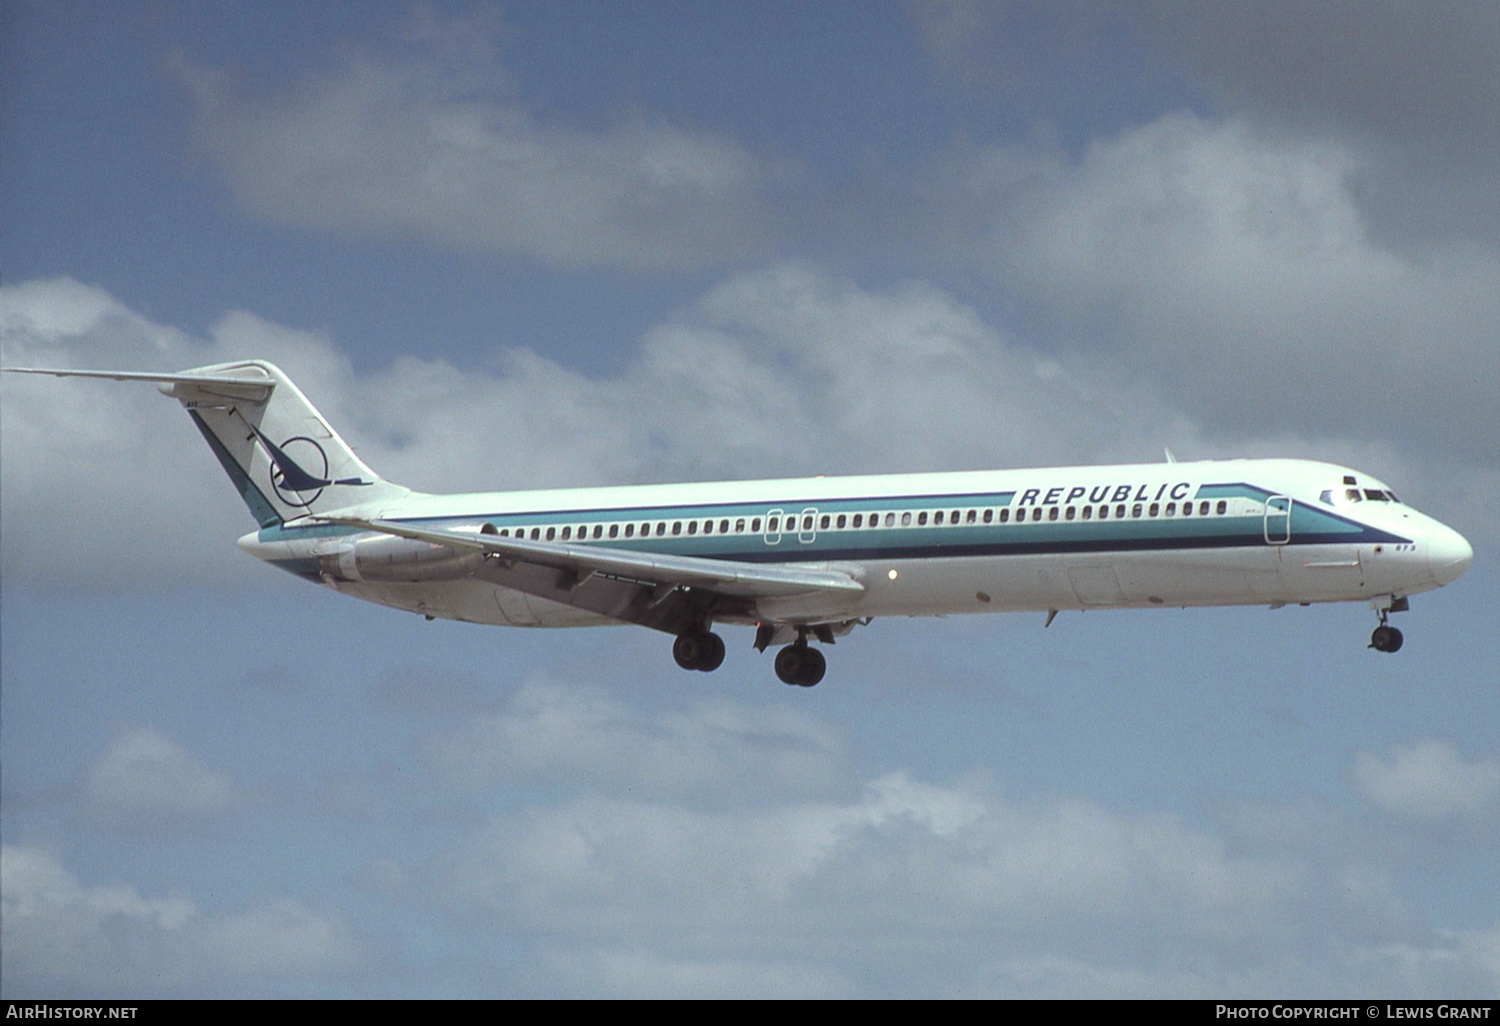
column 518, row 245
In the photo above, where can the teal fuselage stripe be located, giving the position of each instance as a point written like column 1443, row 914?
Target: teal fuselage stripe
column 1308, row 525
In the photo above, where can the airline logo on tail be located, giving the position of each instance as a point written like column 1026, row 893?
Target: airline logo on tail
column 294, row 484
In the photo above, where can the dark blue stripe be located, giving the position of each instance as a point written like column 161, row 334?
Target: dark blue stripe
column 264, row 513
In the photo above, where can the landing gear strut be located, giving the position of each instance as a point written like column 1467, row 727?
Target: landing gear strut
column 698, row 650
column 800, row 665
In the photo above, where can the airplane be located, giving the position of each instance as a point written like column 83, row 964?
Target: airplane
column 807, row 559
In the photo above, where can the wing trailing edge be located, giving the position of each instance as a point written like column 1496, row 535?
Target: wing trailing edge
column 730, row 578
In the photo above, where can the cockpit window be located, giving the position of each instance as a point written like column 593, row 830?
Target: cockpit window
column 1338, row 497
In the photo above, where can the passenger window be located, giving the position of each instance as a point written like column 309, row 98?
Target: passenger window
column 1120, row 511
column 859, row 520
column 890, row 519
column 676, row 527
column 807, row 523
column 842, row 520
column 755, row 526
column 1103, row 512
column 1052, row 513
column 1004, row 515
column 922, row 519
column 567, row 533
column 987, row 516
column 937, row 518
column 692, row 527
column 630, row 530
column 1070, row 514
column 906, row 520
column 1203, row 509
column 1088, row 511
column 614, row 530
column 1036, row 514
column 971, row 516
column 1223, row 506
column 1171, row 509
column 774, row 525
column 1187, row 509
column 823, row 523
column 1155, row 509
column 536, row 532
column 1135, row 511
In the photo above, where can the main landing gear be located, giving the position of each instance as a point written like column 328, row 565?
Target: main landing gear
column 800, row 664
column 698, row 650
column 1387, row 638
column 797, row 663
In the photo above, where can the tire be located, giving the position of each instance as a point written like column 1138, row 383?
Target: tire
column 698, row 650
column 1386, row 639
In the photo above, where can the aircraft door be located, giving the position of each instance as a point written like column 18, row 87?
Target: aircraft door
column 773, row 526
column 807, row 530
column 1278, row 520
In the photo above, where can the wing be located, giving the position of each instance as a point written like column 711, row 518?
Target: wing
column 669, row 593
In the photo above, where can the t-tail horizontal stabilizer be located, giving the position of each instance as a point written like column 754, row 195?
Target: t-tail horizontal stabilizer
column 284, row 459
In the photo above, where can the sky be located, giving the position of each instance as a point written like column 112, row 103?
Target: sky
column 521, row 244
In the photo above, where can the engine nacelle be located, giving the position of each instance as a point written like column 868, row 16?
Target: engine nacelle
column 392, row 560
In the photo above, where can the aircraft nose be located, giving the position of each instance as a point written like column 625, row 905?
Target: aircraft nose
column 1448, row 554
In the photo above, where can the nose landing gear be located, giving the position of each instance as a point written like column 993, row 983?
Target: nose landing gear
column 1387, row 638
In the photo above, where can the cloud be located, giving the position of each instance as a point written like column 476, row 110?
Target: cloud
column 429, row 144
column 1412, row 90
column 911, row 888
column 1430, row 780
column 144, row 782
column 718, row 752
column 610, row 859
column 113, row 461
column 66, row 938
column 1237, row 271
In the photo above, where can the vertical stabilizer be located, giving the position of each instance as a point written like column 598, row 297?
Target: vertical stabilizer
column 283, row 457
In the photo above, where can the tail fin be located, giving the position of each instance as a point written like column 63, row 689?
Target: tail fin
column 284, row 459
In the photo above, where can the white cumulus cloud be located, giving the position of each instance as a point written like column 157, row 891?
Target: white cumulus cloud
column 433, row 146
column 145, row 781
column 1430, row 780
column 63, row 937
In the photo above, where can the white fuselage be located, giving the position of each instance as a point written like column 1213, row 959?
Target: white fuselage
column 1169, row 534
